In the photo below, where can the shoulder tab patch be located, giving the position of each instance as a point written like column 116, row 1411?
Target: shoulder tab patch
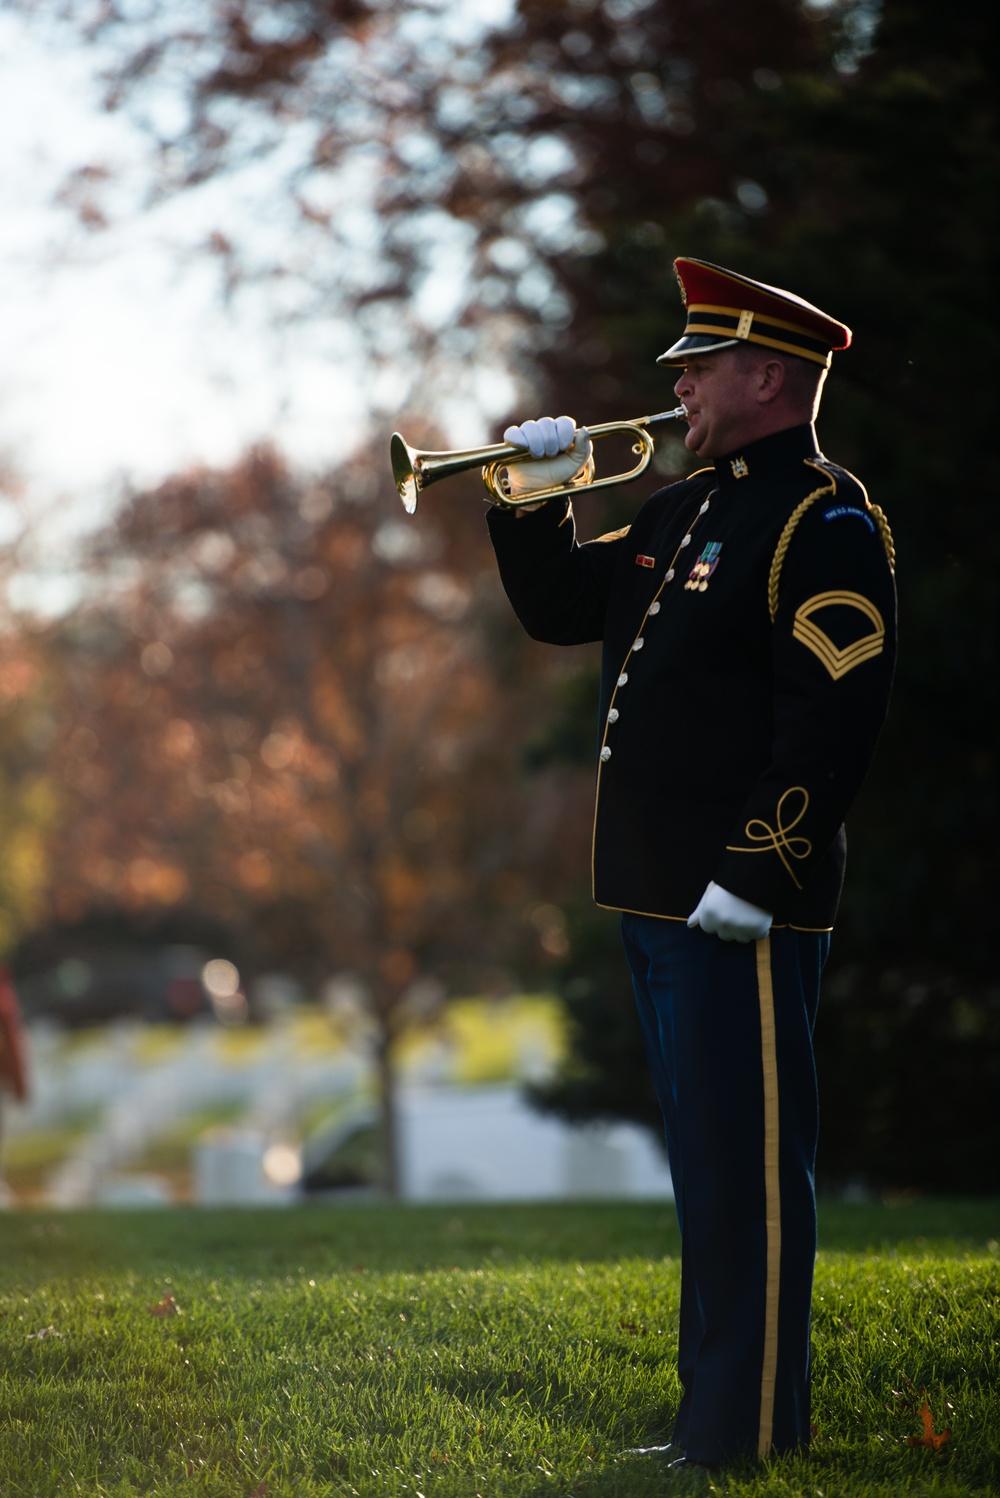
column 835, row 512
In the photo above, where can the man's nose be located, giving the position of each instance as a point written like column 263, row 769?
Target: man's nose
column 682, row 384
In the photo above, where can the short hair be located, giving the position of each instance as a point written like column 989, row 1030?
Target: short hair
column 803, row 377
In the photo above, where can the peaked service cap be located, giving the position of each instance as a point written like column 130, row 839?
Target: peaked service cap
column 724, row 309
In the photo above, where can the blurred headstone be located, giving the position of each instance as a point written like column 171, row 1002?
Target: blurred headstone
column 274, row 994
column 348, row 1001
column 229, row 1170
column 135, row 1191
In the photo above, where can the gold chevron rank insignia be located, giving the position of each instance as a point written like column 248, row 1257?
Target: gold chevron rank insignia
column 839, row 658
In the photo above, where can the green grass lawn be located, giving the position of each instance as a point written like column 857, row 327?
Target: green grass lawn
column 455, row 1351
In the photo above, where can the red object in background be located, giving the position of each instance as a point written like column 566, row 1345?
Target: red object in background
column 13, row 1063
column 185, row 997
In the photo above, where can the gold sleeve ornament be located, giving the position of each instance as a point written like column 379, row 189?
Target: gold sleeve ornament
column 839, row 660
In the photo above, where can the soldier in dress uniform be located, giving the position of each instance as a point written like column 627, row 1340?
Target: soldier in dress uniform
column 748, row 624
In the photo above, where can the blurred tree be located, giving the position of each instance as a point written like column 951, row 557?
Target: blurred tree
column 544, row 172
column 877, row 196
column 29, row 803
column 281, row 715
column 447, row 177
column 604, row 1075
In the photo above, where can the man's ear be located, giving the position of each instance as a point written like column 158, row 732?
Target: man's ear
column 770, row 380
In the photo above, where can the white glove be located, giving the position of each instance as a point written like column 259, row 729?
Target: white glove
column 559, row 454
column 543, row 438
column 728, row 917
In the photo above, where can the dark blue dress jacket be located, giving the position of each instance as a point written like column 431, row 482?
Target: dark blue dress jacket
column 749, row 628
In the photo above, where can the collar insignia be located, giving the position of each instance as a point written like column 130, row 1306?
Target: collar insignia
column 739, row 467
column 703, row 568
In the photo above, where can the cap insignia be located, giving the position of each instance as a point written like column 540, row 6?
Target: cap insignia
column 739, row 467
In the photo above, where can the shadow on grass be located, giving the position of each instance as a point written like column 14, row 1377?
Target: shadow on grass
column 321, row 1238
column 833, row 1470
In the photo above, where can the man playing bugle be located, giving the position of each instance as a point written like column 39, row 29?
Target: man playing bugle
column 748, row 624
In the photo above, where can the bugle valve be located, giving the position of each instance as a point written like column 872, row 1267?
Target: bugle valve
column 415, row 471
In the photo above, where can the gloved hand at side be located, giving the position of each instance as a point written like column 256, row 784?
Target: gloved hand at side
column 559, row 454
column 728, row 917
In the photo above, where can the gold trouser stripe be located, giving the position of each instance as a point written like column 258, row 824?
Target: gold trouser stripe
column 772, row 1194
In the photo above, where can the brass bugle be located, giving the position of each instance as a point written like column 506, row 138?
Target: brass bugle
column 415, row 471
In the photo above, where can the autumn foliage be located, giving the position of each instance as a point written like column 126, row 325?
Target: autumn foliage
column 252, row 633
column 290, row 711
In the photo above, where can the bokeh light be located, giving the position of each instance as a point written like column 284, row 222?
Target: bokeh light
column 221, row 978
column 282, row 1165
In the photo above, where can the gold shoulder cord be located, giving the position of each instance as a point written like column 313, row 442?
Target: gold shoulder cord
column 777, row 561
column 879, row 516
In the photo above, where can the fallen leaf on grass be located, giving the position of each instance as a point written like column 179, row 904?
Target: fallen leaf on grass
column 259, row 1491
column 932, row 1439
column 46, row 1331
column 166, row 1307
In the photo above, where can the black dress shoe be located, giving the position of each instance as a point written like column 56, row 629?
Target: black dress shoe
column 688, row 1464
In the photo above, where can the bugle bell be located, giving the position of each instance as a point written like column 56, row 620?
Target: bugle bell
column 415, row 471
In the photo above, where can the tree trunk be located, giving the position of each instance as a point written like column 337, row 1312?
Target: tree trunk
column 389, row 1112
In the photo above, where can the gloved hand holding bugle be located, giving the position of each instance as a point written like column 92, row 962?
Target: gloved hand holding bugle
column 560, row 453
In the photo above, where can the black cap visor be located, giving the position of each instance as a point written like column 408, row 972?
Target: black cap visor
column 695, row 343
